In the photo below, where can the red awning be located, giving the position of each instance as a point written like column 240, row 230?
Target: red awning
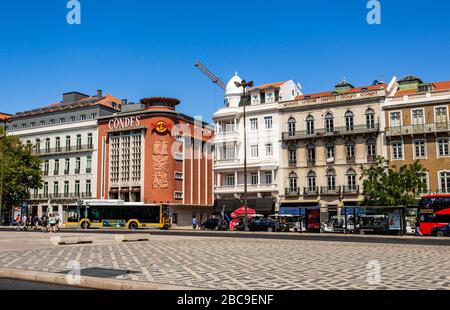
column 241, row 213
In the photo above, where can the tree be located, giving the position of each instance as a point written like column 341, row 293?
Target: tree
column 20, row 170
column 384, row 185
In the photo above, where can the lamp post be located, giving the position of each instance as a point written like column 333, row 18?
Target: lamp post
column 244, row 84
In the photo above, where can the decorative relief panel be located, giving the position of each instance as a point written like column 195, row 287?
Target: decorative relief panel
column 161, row 165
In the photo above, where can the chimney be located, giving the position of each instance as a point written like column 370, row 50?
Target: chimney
column 124, row 101
column 99, row 93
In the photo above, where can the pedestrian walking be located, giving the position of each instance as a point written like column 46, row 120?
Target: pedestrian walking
column 44, row 220
column 418, row 232
column 194, row 223
column 52, row 222
column 58, row 221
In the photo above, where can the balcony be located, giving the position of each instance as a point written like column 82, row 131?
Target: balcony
column 60, row 196
column 351, row 190
column 66, row 172
column 227, row 136
column 292, row 192
column 65, row 150
column 77, row 171
column 292, row 163
column 311, row 162
column 311, row 191
column 351, row 159
column 371, row 158
column 46, row 173
column 330, row 191
column 233, row 189
column 334, row 132
column 56, row 172
column 88, row 170
column 418, row 129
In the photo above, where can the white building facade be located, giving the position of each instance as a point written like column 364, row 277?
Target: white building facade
column 65, row 138
column 263, row 146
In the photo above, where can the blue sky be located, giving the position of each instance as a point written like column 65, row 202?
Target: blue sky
column 136, row 48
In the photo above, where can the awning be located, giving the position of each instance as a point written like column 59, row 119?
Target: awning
column 114, row 190
column 136, row 190
column 125, row 190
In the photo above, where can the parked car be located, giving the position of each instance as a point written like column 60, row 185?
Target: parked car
column 215, row 224
column 443, row 231
column 262, row 224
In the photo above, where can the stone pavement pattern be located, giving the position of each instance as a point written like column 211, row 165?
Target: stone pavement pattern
column 229, row 263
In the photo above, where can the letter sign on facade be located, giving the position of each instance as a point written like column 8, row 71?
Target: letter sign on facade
column 123, row 123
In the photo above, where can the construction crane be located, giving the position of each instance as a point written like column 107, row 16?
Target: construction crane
column 210, row 75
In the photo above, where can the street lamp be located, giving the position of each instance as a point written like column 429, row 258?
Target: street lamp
column 244, row 84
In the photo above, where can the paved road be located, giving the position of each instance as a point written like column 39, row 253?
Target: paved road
column 411, row 240
column 16, row 285
column 239, row 263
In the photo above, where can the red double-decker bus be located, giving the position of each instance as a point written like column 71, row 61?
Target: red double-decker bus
column 434, row 212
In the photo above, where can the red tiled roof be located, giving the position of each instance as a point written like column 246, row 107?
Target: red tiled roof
column 445, row 85
column 4, row 116
column 332, row 93
column 270, row 85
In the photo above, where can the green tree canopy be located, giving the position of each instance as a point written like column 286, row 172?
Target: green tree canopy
column 20, row 170
column 385, row 185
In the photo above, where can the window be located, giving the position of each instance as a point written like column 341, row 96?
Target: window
column 423, row 184
column 55, row 188
column 67, row 166
column 292, row 127
column 312, row 185
column 441, row 117
column 371, row 148
column 292, row 155
column 351, row 180
column 418, row 119
column 396, row 119
column 310, row 125
column 23, row 126
column 349, row 121
column 47, row 145
column 38, row 146
column 350, row 149
column 370, row 119
column 14, row 127
column 78, row 142
column 93, row 115
column 331, row 180
column 88, row 188
column 230, row 180
column 254, row 178
column 56, row 172
column 82, row 117
column 397, row 150
column 311, row 153
column 263, row 97
column 329, row 123
column 72, row 119
column 58, row 144
column 45, row 189
column 254, row 151
column 46, row 167
column 443, row 146
column 90, row 141
column 52, row 122
column 66, row 188
column 88, row 164
column 229, row 152
column 445, row 181
column 179, row 156
column 68, row 143
column 78, row 165
column 254, row 124
column 42, row 123
column 62, row 120
column 33, row 124
column 269, row 150
column 178, row 175
column 268, row 177
column 178, row 195
column 420, row 149
column 268, row 122
column 77, row 188
column 330, row 152
column 293, row 184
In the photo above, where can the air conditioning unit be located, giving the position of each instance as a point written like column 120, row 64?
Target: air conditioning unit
column 330, row 160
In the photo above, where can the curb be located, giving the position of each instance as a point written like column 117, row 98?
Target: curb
column 88, row 282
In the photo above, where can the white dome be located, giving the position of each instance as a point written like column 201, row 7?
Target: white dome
column 231, row 87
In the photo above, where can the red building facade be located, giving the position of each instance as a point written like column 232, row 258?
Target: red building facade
column 151, row 153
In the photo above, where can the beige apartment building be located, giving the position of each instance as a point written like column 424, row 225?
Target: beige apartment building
column 417, row 128
column 326, row 137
